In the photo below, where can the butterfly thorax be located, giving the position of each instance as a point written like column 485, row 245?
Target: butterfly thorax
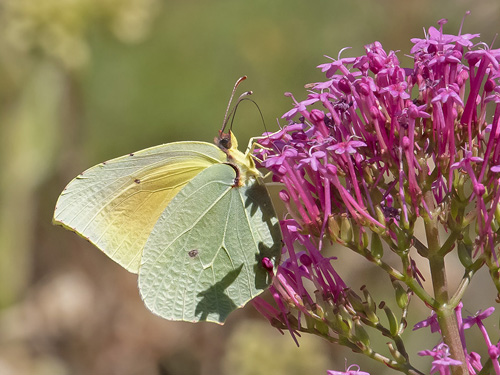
column 242, row 162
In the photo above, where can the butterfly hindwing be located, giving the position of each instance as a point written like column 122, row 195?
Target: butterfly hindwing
column 116, row 204
column 203, row 257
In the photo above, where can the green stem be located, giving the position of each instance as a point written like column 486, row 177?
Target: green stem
column 449, row 243
column 445, row 312
column 385, row 332
column 457, row 297
column 405, row 278
column 405, row 368
column 451, row 337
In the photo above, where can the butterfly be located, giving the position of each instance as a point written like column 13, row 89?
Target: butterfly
column 193, row 219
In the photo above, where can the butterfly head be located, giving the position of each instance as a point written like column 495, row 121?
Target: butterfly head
column 226, row 141
column 243, row 163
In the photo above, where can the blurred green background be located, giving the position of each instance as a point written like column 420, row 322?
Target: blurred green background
column 82, row 81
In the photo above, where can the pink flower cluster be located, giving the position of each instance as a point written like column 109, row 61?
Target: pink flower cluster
column 383, row 136
column 374, row 148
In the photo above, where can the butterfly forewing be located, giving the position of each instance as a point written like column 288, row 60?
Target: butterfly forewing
column 203, row 257
column 116, row 204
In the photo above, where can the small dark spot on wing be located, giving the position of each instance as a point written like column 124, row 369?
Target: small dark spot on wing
column 137, row 181
column 131, row 154
column 193, row 253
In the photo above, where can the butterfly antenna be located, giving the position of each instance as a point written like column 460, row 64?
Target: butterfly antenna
column 228, row 113
column 244, row 96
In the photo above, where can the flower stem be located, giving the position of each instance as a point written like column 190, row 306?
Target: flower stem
column 451, row 337
column 445, row 312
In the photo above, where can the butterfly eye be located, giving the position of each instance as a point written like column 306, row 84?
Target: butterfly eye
column 223, row 141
